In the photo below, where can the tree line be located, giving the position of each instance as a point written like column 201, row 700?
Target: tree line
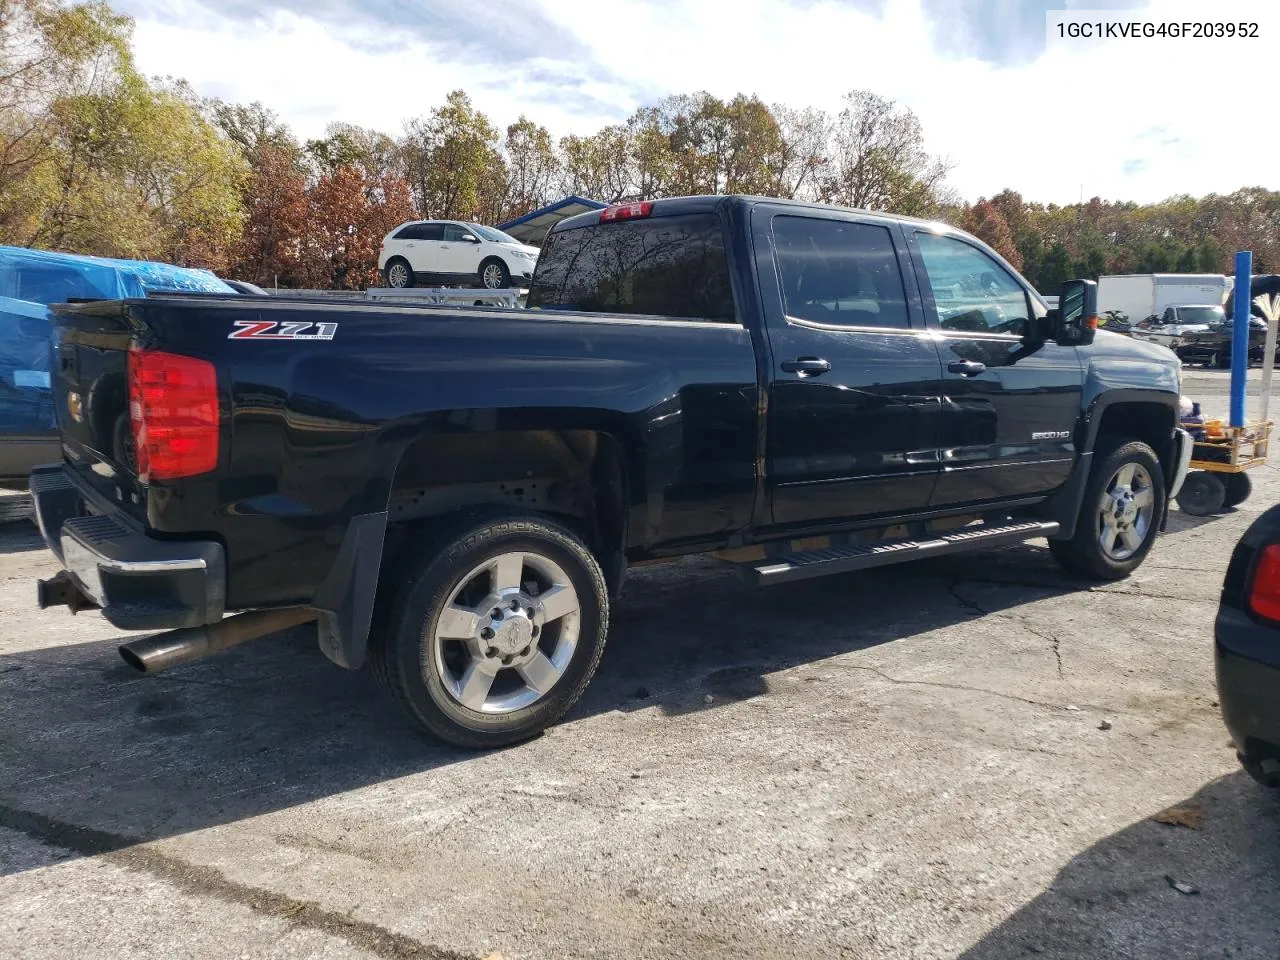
column 95, row 158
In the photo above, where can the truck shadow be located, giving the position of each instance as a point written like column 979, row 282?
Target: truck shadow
column 1117, row 899
column 86, row 744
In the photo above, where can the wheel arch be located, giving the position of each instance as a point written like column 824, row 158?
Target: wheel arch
column 394, row 258
column 493, row 258
column 578, row 477
column 1137, row 414
column 1147, row 415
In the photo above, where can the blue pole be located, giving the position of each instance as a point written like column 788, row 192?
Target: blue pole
column 1240, row 335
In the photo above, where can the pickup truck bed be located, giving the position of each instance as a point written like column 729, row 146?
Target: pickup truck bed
column 455, row 493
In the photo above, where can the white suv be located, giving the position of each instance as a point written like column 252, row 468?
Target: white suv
column 452, row 252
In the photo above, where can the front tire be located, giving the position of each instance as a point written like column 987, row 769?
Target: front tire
column 1123, row 503
column 398, row 274
column 494, row 275
column 494, row 636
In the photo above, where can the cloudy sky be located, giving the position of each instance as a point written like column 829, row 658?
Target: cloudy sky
column 1137, row 119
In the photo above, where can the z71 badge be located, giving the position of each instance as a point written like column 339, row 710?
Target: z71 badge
column 286, row 330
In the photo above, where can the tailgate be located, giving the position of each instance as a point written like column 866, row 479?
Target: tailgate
column 91, row 398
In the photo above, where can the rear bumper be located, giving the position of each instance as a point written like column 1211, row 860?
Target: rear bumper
column 140, row 583
column 1249, row 694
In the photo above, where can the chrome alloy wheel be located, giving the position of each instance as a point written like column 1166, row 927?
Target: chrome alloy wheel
column 492, row 277
column 1126, row 511
column 506, row 634
column 398, row 276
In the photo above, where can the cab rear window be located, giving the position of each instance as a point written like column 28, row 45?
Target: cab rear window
column 672, row 267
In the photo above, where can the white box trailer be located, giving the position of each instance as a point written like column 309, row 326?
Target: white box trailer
column 1143, row 295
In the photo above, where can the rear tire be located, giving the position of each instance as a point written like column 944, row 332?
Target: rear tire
column 398, row 273
column 1238, row 486
column 480, row 662
column 1202, row 494
column 1126, row 486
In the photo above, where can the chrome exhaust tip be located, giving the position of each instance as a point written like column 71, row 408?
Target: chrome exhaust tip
column 164, row 650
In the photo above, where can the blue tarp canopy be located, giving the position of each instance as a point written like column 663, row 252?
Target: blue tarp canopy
column 30, row 280
column 533, row 228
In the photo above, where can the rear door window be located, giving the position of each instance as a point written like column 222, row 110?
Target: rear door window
column 672, row 267
column 839, row 272
column 421, row 231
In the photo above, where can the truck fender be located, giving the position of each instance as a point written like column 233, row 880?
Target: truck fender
column 1067, row 504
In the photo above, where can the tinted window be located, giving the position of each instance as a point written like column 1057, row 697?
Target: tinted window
column 421, row 231
column 454, row 232
column 833, row 271
column 664, row 266
column 970, row 290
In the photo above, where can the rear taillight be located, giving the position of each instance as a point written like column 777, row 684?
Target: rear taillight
column 626, row 211
column 173, row 409
column 1264, row 590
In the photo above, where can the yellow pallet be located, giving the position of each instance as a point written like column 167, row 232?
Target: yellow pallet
column 1238, row 450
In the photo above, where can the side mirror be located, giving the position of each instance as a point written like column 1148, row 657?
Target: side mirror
column 470, row 238
column 1077, row 313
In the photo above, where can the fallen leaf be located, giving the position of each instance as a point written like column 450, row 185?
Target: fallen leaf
column 1190, row 816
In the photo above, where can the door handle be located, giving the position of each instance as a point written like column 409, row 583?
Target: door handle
column 807, row 366
column 967, row 368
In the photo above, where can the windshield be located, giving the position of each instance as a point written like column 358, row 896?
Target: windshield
column 495, row 236
column 1200, row 315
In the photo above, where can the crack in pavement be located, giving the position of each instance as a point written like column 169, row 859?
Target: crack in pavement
column 1064, row 587
column 962, row 687
column 1054, row 642
column 954, row 589
column 135, row 855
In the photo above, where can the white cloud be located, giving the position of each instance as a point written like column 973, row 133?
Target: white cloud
column 1080, row 114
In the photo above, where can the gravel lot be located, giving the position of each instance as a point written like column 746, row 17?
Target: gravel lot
column 901, row 764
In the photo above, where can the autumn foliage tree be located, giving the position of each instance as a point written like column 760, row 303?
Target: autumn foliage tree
column 984, row 221
column 271, row 246
column 347, row 216
column 98, row 159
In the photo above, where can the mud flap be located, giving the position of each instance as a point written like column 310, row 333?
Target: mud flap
column 1066, row 504
column 345, row 599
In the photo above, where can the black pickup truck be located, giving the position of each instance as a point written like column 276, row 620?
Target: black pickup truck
column 455, row 494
